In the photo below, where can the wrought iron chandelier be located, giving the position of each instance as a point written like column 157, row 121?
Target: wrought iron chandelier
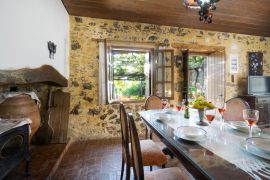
column 204, row 6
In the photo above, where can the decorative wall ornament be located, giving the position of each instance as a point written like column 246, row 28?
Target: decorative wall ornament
column 234, row 64
column 204, row 6
column 52, row 49
column 255, row 63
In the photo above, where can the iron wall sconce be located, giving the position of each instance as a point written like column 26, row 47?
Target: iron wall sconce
column 52, row 49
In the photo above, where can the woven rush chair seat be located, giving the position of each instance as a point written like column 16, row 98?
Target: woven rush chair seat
column 234, row 109
column 151, row 153
column 162, row 174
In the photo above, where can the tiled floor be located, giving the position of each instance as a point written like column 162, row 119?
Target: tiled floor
column 43, row 159
column 97, row 160
column 85, row 160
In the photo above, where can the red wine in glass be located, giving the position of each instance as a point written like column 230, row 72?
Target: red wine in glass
column 251, row 122
column 178, row 107
column 210, row 117
column 221, row 110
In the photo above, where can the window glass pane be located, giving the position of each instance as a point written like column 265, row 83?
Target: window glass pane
column 168, row 57
column 129, row 77
column 168, row 89
column 159, row 75
column 159, row 90
column 168, row 74
column 159, row 59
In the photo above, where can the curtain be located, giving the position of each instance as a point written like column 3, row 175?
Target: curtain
column 215, row 78
column 102, row 73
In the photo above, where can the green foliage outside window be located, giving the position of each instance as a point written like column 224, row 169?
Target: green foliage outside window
column 128, row 74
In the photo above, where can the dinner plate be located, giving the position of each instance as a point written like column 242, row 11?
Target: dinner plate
column 190, row 133
column 259, row 143
column 165, row 117
column 250, row 149
column 242, row 126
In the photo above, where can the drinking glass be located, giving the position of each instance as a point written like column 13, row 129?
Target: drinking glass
column 221, row 105
column 251, row 116
column 164, row 103
column 210, row 115
column 179, row 106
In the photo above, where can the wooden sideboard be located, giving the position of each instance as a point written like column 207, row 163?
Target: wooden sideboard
column 261, row 103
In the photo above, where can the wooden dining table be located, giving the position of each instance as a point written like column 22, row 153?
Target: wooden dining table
column 220, row 155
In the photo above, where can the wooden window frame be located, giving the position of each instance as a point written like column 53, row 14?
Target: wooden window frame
column 154, row 71
column 109, row 49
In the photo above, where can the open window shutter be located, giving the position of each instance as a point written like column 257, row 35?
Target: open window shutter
column 215, row 76
column 163, row 85
column 185, row 54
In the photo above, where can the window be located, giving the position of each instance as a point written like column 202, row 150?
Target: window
column 206, row 76
column 163, row 81
column 128, row 74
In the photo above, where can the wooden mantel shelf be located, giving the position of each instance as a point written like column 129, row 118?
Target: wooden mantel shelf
column 44, row 74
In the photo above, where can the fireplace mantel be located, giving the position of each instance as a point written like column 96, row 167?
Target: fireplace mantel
column 44, row 74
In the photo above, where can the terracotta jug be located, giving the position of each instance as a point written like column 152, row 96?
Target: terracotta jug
column 21, row 106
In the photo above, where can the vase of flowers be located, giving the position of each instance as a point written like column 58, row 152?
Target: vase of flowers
column 201, row 105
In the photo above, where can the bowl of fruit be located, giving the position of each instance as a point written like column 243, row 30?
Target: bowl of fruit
column 201, row 104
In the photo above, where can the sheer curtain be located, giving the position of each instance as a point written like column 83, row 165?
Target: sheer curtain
column 102, row 72
column 215, row 79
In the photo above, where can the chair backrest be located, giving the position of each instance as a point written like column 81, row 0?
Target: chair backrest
column 153, row 102
column 124, row 133
column 234, row 109
column 136, row 150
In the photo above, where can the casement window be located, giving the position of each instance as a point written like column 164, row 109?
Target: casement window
column 163, row 71
column 131, row 73
column 128, row 74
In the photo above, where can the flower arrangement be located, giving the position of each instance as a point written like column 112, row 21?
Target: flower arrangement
column 201, row 103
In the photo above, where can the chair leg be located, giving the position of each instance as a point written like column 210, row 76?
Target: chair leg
column 151, row 134
column 146, row 132
column 122, row 168
column 151, row 168
column 128, row 172
column 163, row 166
column 166, row 151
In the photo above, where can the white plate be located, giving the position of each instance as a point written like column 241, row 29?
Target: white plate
column 190, row 133
column 254, row 151
column 242, row 126
column 261, row 144
column 165, row 117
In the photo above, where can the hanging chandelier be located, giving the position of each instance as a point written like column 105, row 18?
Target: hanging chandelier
column 204, row 6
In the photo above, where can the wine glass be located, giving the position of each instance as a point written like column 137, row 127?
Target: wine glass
column 251, row 116
column 221, row 105
column 179, row 106
column 210, row 115
column 164, row 103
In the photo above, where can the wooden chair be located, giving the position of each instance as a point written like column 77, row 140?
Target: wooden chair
column 234, row 109
column 151, row 153
column 137, row 159
column 152, row 102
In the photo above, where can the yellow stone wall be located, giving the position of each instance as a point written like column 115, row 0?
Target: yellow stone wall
column 88, row 119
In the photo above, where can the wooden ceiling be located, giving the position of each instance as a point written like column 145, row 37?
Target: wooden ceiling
column 236, row 16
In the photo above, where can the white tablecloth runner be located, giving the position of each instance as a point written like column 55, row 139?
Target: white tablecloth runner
column 223, row 141
column 7, row 124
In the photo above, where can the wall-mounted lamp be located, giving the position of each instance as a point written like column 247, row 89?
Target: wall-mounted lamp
column 178, row 60
column 52, row 49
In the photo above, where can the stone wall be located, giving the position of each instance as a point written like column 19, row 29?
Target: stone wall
column 88, row 119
